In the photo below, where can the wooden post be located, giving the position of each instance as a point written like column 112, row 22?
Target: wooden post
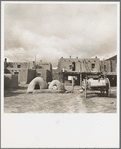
column 73, row 83
column 107, row 86
column 85, row 88
column 80, row 79
column 63, row 79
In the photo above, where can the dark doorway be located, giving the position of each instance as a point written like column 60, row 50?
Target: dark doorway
column 37, row 86
column 73, row 66
column 77, row 82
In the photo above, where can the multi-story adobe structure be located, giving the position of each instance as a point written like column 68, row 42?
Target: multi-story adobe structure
column 20, row 68
column 27, row 71
column 90, row 67
column 78, row 67
column 109, row 67
column 43, row 69
column 42, row 65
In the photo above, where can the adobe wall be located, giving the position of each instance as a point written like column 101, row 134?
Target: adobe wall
column 31, row 75
column 20, row 68
column 49, row 76
column 105, row 66
column 108, row 66
column 113, row 65
column 42, row 73
column 45, row 74
column 55, row 74
column 81, row 65
column 22, row 73
column 10, row 81
column 18, row 65
column 42, row 65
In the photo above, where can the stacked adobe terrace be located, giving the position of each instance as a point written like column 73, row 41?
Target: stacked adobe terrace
column 79, row 67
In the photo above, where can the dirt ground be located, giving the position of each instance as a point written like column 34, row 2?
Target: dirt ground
column 17, row 101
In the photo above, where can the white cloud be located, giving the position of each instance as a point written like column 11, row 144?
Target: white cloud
column 16, row 54
column 52, row 31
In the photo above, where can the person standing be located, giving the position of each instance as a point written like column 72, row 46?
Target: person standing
column 73, row 83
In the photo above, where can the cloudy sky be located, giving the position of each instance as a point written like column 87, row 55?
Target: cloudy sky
column 54, row 30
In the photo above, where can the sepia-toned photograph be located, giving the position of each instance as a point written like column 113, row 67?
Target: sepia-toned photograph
column 60, row 58
column 60, row 74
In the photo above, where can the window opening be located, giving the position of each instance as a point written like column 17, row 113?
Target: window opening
column 19, row 66
column 16, row 72
column 39, row 74
column 93, row 66
column 73, row 66
column 70, row 66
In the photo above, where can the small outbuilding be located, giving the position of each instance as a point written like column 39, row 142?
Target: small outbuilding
column 10, row 81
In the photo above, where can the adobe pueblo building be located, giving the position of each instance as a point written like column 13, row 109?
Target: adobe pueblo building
column 109, row 67
column 67, row 67
column 43, row 69
column 79, row 68
column 26, row 72
column 90, row 67
column 14, row 70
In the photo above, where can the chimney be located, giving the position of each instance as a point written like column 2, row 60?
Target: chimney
column 70, row 56
column 5, row 63
column 6, row 60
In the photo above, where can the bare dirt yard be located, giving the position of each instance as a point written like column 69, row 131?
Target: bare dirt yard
column 17, row 101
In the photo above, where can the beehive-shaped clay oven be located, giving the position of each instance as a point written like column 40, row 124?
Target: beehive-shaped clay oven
column 37, row 81
column 57, row 85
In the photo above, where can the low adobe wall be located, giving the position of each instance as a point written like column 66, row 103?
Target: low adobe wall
column 10, row 81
